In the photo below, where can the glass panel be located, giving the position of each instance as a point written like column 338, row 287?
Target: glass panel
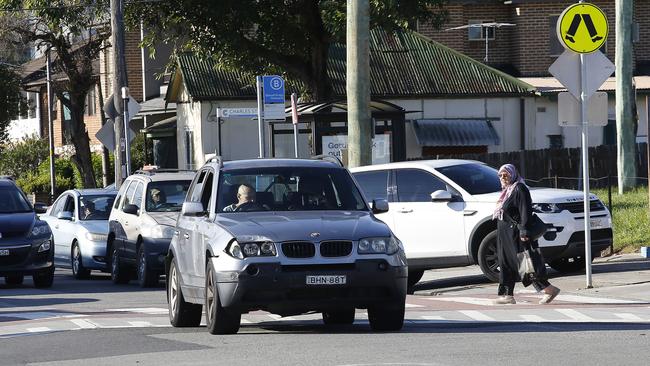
column 374, row 184
column 415, row 185
column 166, row 196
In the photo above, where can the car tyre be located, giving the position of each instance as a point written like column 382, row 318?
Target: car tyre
column 568, row 265
column 219, row 320
column 181, row 312
column 44, row 278
column 414, row 277
column 146, row 277
column 14, row 280
column 387, row 318
column 78, row 270
column 339, row 316
column 488, row 258
column 119, row 272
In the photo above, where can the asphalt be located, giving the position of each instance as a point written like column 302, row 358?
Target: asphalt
column 624, row 276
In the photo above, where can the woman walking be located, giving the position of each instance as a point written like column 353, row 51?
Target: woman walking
column 513, row 212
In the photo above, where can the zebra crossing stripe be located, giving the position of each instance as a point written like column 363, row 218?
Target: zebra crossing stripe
column 628, row 316
column 38, row 329
column 532, row 318
column 476, row 315
column 575, row 315
column 83, row 323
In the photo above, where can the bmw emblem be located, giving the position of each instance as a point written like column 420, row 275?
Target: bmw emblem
column 314, row 235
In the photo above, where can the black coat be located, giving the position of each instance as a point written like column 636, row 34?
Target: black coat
column 517, row 211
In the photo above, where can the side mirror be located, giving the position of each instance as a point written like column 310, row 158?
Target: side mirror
column 64, row 215
column 379, row 206
column 131, row 209
column 192, row 209
column 441, row 196
column 40, row 208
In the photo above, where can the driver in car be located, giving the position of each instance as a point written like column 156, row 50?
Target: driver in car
column 245, row 200
column 157, row 198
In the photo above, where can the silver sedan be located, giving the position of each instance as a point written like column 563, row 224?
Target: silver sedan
column 79, row 223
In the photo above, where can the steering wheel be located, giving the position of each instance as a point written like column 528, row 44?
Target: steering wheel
column 246, row 206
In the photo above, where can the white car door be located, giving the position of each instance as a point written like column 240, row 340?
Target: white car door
column 66, row 229
column 54, row 224
column 427, row 229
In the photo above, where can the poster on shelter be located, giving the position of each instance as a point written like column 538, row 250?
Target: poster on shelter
column 332, row 145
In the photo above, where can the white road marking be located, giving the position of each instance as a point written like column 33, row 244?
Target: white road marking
column 532, row 318
column 476, row 315
column 38, row 329
column 152, row 311
column 83, row 324
column 628, row 316
column 413, row 305
column 466, row 300
column 575, row 315
column 280, row 318
column 431, row 317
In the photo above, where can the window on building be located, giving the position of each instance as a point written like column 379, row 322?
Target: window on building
column 91, row 105
column 478, row 33
column 66, row 126
column 189, row 149
column 555, row 141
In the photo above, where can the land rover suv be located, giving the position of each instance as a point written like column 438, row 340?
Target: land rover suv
column 141, row 222
column 26, row 246
column 442, row 212
column 288, row 236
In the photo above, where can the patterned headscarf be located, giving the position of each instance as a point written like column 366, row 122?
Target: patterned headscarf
column 506, row 191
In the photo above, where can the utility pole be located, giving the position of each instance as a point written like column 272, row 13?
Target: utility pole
column 119, row 80
column 50, row 126
column 358, row 83
column 625, row 131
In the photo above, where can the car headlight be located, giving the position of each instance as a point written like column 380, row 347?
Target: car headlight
column 546, row 208
column 255, row 249
column 41, row 229
column 45, row 246
column 96, row 236
column 160, row 232
column 385, row 245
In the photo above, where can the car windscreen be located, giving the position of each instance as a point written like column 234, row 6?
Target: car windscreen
column 13, row 201
column 473, row 178
column 288, row 189
column 166, row 196
column 95, row 207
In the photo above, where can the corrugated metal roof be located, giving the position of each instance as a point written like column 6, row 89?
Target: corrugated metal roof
column 404, row 64
column 452, row 132
column 551, row 85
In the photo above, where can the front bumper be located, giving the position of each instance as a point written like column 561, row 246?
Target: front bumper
column 93, row 254
column 601, row 239
column 283, row 289
column 24, row 258
column 156, row 251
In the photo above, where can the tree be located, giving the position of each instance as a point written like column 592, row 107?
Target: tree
column 75, row 31
column 289, row 37
column 10, row 98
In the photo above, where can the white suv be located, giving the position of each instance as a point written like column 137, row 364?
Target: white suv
column 141, row 227
column 442, row 211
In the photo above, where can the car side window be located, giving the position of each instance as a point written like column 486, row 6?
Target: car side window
column 137, row 196
column 69, row 205
column 196, row 189
column 120, row 194
column 374, row 184
column 207, row 191
column 128, row 196
column 58, row 205
column 415, row 185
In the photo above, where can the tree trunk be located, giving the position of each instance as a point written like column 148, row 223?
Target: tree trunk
column 82, row 157
column 320, row 82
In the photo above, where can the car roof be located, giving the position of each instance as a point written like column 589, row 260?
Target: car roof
column 7, row 182
column 163, row 176
column 95, row 191
column 434, row 163
column 277, row 162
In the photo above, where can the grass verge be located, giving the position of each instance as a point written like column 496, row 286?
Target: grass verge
column 631, row 218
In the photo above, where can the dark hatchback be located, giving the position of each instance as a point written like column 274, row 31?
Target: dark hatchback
column 25, row 240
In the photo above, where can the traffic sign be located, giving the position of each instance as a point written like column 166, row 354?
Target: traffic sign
column 566, row 70
column 237, row 112
column 273, row 97
column 569, row 110
column 582, row 28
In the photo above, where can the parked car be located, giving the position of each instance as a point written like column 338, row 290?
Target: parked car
column 141, row 225
column 442, row 211
column 307, row 242
column 25, row 241
column 79, row 223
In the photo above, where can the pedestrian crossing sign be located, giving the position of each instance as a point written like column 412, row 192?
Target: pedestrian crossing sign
column 582, row 28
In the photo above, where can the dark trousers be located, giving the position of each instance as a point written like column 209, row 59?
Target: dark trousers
column 509, row 272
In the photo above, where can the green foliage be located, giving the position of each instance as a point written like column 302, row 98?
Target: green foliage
column 66, row 177
column 631, row 218
column 10, row 99
column 18, row 158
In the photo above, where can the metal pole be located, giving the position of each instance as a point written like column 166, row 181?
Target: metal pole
column 358, row 83
column 486, row 42
column 294, row 120
column 647, row 139
column 119, row 80
column 585, row 165
column 260, row 111
column 125, row 99
column 50, row 127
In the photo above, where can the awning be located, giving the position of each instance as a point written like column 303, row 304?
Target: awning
column 455, row 132
column 164, row 128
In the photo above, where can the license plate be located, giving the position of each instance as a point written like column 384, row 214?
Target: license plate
column 596, row 223
column 4, row 252
column 326, row 280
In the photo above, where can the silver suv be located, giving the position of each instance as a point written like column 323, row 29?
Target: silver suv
column 141, row 223
column 305, row 241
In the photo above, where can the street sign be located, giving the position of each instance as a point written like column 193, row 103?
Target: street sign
column 109, row 108
column 106, row 135
column 569, row 110
column 237, row 112
column 566, row 70
column 582, row 28
column 273, row 96
column 134, row 107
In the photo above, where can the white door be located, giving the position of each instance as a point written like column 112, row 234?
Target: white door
column 427, row 229
column 55, row 225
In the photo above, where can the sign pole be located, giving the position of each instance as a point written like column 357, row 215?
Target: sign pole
column 585, row 166
column 294, row 120
column 260, row 111
column 125, row 100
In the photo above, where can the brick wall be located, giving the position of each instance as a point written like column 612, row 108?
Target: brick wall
column 133, row 58
column 527, row 45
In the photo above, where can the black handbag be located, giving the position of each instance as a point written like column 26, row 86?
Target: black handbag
column 535, row 227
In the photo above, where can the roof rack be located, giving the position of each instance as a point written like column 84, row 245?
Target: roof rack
column 164, row 170
column 330, row 158
column 213, row 158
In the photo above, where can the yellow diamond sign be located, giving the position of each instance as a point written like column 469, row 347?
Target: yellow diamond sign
column 582, row 28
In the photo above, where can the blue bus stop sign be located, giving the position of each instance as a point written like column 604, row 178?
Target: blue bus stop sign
column 273, row 89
